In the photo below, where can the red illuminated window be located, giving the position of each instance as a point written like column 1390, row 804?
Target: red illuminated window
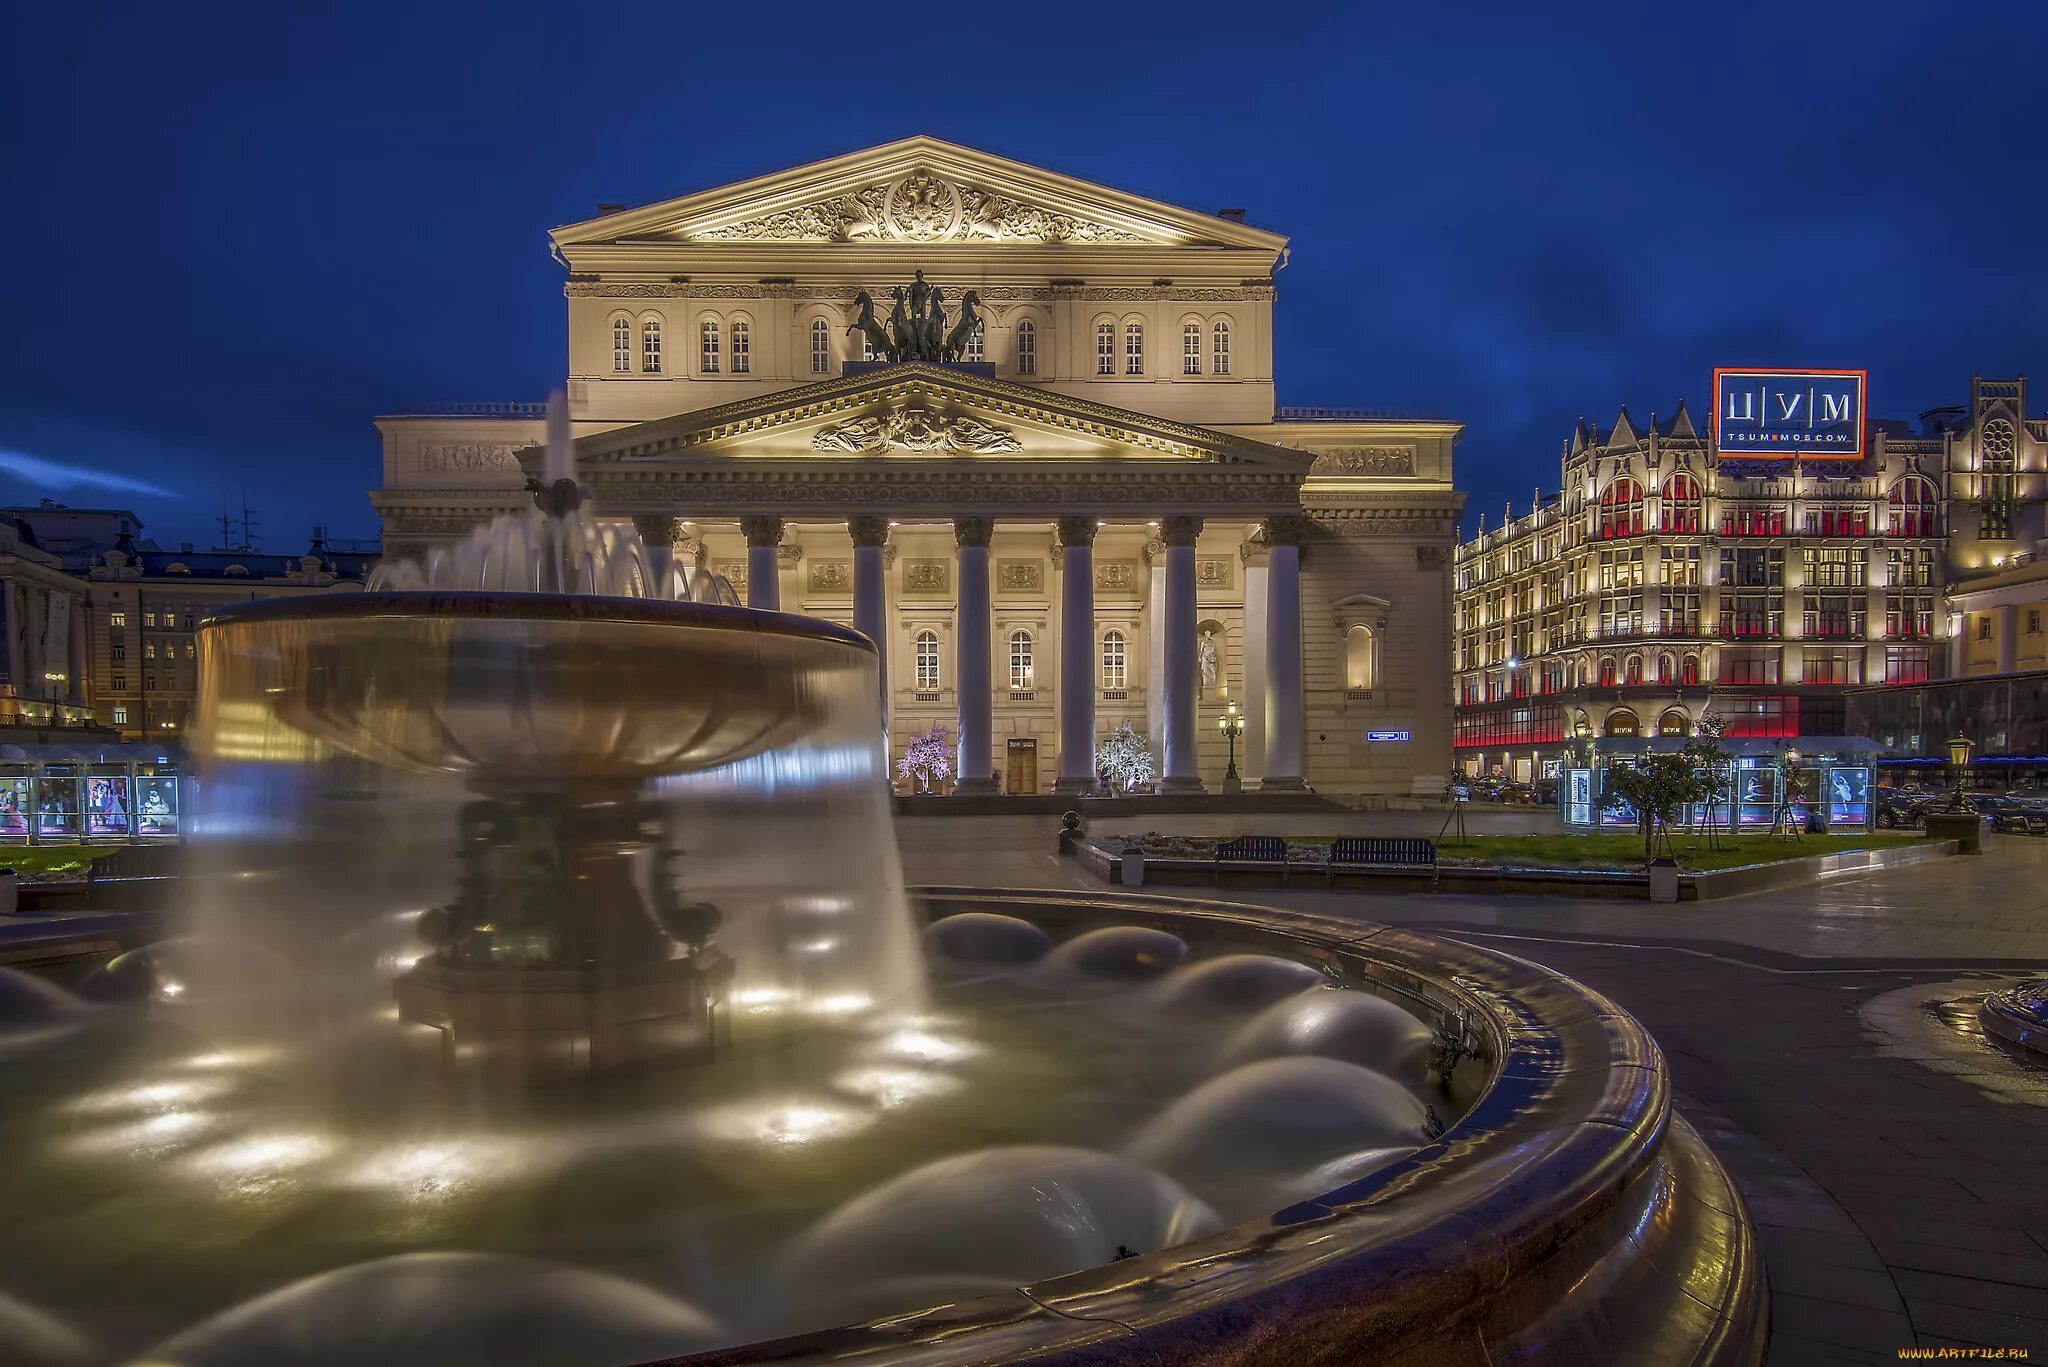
column 1683, row 508
column 1621, row 508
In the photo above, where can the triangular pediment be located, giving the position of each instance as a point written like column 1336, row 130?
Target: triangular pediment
column 920, row 413
column 918, row 191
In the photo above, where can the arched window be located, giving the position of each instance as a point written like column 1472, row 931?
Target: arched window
column 821, row 347
column 1684, row 511
column 1191, row 348
column 1994, row 515
column 975, row 351
column 1219, row 347
column 1673, row 723
column 1113, row 661
column 622, row 346
column 1622, row 722
column 1027, row 348
column 1621, row 508
column 1607, row 671
column 1689, row 670
column 1358, row 657
column 708, row 347
column 1911, row 504
column 650, row 346
column 927, row 661
column 1020, row 660
column 1667, row 668
column 1633, row 671
column 742, row 347
column 1134, row 348
column 1105, row 348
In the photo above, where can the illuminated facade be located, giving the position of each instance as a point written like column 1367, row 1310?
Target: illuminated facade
column 1095, row 514
column 1663, row 577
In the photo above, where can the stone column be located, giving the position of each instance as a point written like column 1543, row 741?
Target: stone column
column 1077, row 656
column 2008, row 638
column 1283, row 654
column 658, row 534
column 1251, row 753
column 764, row 562
column 871, row 592
column 973, row 690
column 1181, row 771
column 1959, row 647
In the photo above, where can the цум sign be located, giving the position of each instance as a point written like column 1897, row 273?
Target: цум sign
column 1799, row 413
column 1386, row 735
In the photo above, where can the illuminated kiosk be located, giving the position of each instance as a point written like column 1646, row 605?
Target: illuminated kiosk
column 557, row 713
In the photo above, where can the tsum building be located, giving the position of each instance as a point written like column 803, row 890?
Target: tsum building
column 1072, row 501
column 1665, row 578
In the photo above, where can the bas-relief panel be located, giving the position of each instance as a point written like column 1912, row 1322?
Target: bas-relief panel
column 831, row 576
column 1213, row 572
column 1020, row 576
column 927, row 576
column 1116, row 576
column 733, row 572
column 466, row 456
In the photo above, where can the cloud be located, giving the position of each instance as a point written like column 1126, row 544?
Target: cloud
column 55, row 474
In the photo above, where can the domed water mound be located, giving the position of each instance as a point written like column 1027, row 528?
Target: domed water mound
column 447, row 1310
column 1356, row 1027
column 982, row 939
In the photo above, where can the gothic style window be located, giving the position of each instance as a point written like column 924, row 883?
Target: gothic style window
column 821, row 347
column 1689, row 670
column 1911, row 505
column 1219, row 347
column 1667, row 669
column 1684, row 512
column 709, row 348
column 1995, row 515
column 1191, row 349
column 927, row 661
column 1027, row 348
column 742, row 348
column 1634, row 672
column 622, row 347
column 650, row 346
column 1673, row 723
column 1105, row 348
column 1113, row 661
column 1134, row 348
column 1621, row 508
column 1020, row 660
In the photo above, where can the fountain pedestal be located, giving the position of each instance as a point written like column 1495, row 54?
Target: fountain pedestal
column 563, row 1024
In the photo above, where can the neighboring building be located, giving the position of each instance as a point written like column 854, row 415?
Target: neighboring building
column 1098, row 514
column 77, row 536
column 42, row 665
column 146, row 603
column 1663, row 577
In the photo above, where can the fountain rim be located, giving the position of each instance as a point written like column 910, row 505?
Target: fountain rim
column 1570, row 1169
column 497, row 605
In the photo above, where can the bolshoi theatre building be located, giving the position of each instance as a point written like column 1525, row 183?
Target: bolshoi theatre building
column 1023, row 431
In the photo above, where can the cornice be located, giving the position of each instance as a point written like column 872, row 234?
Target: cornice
column 844, row 294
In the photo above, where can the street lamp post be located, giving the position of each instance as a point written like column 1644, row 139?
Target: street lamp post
column 1231, row 724
column 1959, row 748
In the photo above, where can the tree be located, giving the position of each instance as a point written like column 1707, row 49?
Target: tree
column 1715, row 772
column 929, row 759
column 1124, row 759
column 1657, row 787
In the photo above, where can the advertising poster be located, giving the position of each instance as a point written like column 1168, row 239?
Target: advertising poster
column 106, row 805
column 1756, row 796
column 56, row 806
column 1578, row 797
column 13, row 808
column 1849, row 796
column 156, row 806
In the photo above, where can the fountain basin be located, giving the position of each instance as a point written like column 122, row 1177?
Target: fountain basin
column 1570, row 1216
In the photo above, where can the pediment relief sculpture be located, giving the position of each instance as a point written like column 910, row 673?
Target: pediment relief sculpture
column 919, row 207
column 1366, row 460
column 918, row 429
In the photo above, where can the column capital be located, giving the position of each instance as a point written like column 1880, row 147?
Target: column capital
column 789, row 552
column 1180, row 531
column 1077, row 531
column 1287, row 531
column 762, row 531
column 657, row 529
column 868, row 531
column 973, row 531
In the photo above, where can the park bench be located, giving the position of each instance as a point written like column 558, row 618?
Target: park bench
column 1253, row 849
column 1358, row 853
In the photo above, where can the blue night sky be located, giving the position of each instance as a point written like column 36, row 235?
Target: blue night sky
column 234, row 233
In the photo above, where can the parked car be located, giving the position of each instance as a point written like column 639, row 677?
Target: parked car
column 2021, row 812
column 1897, row 808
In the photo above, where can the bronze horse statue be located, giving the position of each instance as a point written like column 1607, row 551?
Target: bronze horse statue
column 934, row 338
column 904, row 347
column 864, row 323
column 964, row 330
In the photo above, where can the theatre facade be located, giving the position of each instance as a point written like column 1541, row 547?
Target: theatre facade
column 1022, row 431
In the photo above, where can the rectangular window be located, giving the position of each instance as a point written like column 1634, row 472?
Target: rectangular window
column 120, row 652
column 1105, row 349
column 742, row 349
column 1113, row 661
column 1832, row 667
column 622, row 347
column 117, row 619
column 148, row 619
column 1907, row 664
column 1027, row 348
column 149, row 650
column 1753, row 614
column 120, row 716
column 1908, row 614
column 821, row 348
column 1134, row 349
column 976, row 350
column 1219, row 349
column 1191, row 349
column 1834, row 567
column 120, row 683
column 709, row 362
column 650, row 347
column 1833, row 616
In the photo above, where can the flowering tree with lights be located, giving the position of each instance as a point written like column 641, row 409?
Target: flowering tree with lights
column 1124, row 760
column 929, row 759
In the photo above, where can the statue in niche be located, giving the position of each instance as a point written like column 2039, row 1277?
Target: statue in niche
column 1206, row 653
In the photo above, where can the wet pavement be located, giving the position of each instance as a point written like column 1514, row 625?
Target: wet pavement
column 1819, row 1037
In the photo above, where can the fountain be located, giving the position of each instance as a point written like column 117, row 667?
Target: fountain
column 545, row 992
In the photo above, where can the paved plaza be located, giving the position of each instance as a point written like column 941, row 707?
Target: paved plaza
column 1892, row 1160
